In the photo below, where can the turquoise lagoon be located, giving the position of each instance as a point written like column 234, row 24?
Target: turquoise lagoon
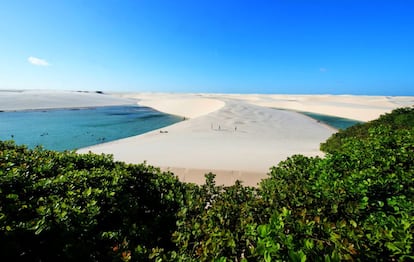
column 333, row 121
column 70, row 129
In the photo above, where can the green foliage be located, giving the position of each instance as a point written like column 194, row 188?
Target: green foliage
column 212, row 224
column 401, row 118
column 357, row 203
column 64, row 206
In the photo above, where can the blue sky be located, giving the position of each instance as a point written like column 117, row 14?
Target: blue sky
column 290, row 47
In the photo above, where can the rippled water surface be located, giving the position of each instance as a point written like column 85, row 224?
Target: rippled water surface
column 68, row 129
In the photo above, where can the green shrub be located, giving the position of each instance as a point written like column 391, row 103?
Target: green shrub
column 358, row 203
column 65, row 206
column 400, row 118
column 212, row 224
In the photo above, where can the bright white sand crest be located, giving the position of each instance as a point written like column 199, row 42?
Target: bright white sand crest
column 189, row 106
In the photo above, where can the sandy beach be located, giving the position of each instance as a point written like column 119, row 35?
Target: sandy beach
column 237, row 137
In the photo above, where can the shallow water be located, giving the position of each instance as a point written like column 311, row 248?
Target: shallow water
column 69, row 129
column 333, row 121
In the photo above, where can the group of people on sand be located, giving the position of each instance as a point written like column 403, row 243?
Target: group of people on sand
column 219, row 128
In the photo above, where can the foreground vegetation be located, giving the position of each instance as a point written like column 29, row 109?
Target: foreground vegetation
column 357, row 203
column 401, row 118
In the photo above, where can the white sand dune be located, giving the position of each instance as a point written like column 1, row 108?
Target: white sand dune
column 362, row 108
column 13, row 100
column 234, row 136
column 189, row 106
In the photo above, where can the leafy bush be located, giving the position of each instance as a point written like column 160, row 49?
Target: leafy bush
column 212, row 224
column 355, row 204
column 400, row 118
column 64, row 206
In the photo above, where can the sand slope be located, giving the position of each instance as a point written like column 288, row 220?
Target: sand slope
column 185, row 105
column 362, row 108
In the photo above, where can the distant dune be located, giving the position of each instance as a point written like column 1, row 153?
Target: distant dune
column 12, row 100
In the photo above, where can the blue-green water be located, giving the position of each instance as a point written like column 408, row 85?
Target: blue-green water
column 335, row 122
column 69, row 129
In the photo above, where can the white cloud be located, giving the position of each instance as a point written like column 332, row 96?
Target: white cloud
column 37, row 61
column 323, row 69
